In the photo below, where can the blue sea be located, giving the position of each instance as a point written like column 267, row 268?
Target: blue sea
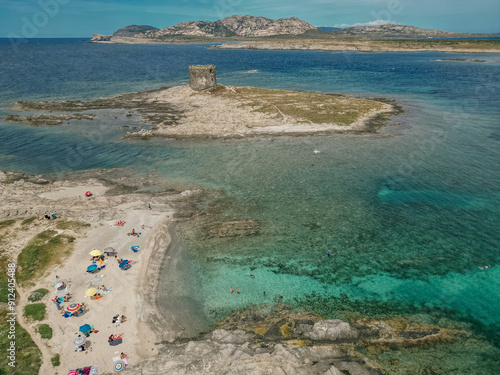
column 394, row 224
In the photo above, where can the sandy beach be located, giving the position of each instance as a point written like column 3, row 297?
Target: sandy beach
column 132, row 292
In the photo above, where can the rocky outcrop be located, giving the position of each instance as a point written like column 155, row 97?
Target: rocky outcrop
column 240, row 25
column 391, row 30
column 100, row 38
column 133, row 30
column 224, row 352
column 44, row 119
column 287, row 342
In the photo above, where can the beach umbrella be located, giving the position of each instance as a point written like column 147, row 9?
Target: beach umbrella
column 85, row 328
column 95, row 253
column 73, row 307
column 109, row 248
column 79, row 341
column 119, row 366
column 91, row 292
column 123, row 263
column 60, row 284
column 91, row 268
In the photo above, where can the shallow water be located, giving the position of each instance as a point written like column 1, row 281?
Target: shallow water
column 407, row 218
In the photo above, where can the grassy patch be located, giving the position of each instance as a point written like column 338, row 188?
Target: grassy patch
column 28, row 221
column 45, row 331
column 44, row 251
column 306, row 107
column 56, row 360
column 4, row 261
column 37, row 295
column 28, row 357
column 35, row 311
column 73, row 225
column 6, row 223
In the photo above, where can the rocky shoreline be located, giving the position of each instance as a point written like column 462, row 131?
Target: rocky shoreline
column 222, row 112
column 392, row 45
column 287, row 342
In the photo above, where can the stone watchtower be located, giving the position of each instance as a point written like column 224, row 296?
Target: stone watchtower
column 202, row 77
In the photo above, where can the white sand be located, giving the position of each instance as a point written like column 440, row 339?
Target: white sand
column 127, row 286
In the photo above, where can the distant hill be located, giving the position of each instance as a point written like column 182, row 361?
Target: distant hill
column 235, row 26
column 391, row 30
column 133, row 30
column 328, row 28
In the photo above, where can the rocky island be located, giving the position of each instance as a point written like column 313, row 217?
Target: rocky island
column 223, row 112
column 295, row 34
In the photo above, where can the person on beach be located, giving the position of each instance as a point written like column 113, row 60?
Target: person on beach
column 46, row 216
column 37, row 216
column 123, row 319
column 53, row 215
column 149, row 205
column 115, row 318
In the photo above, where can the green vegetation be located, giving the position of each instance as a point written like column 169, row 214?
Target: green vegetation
column 73, row 225
column 4, row 291
column 43, row 251
column 37, row 295
column 28, row 221
column 45, row 331
column 55, row 360
column 28, row 357
column 6, row 223
column 307, row 107
column 35, row 311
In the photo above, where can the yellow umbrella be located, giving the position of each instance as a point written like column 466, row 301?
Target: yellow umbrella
column 95, row 253
column 91, row 292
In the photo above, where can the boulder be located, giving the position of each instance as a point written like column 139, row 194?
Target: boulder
column 330, row 330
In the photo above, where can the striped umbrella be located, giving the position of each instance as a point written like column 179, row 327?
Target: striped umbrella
column 79, row 341
column 119, row 366
column 73, row 307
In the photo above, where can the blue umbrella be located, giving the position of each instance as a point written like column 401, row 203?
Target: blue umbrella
column 85, row 328
column 91, row 268
column 123, row 263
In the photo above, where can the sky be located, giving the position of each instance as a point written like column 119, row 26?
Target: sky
column 82, row 18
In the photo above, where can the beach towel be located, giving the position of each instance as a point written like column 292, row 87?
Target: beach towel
column 72, row 372
column 93, row 370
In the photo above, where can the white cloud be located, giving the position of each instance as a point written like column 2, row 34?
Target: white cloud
column 371, row 23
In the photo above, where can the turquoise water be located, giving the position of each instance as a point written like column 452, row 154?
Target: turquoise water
column 407, row 216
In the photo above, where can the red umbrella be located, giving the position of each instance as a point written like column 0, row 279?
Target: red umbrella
column 88, row 193
column 73, row 307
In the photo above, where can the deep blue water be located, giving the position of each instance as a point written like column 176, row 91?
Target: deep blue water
column 408, row 218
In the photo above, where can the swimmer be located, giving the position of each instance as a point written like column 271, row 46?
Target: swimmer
column 231, row 290
column 329, row 255
column 264, row 292
column 251, row 275
column 238, row 291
